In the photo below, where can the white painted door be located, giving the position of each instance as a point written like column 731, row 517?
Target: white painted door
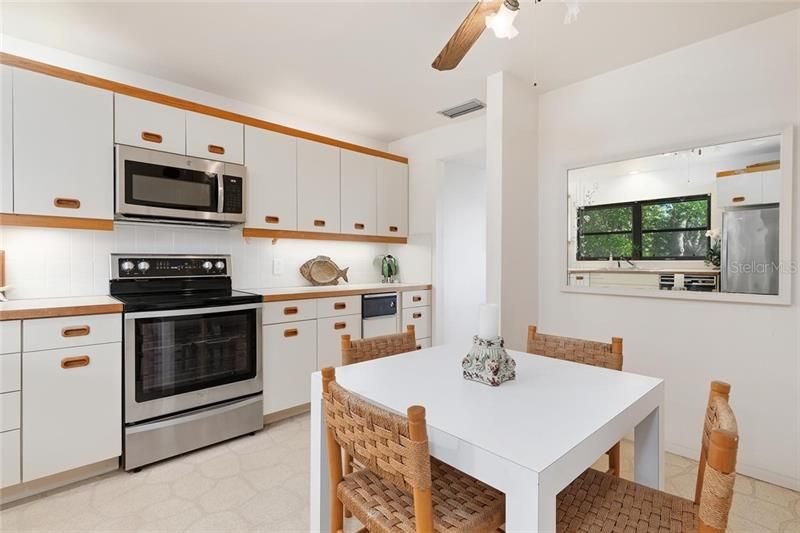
column 738, row 190
column 149, row 125
column 63, row 148
column 392, row 198
column 359, row 193
column 317, row 187
column 271, row 161
column 72, row 412
column 329, row 338
column 6, row 146
column 290, row 357
column 214, row 138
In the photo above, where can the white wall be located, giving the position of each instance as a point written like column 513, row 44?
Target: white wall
column 427, row 153
column 730, row 86
column 461, row 251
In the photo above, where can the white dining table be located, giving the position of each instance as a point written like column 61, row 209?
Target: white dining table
column 529, row 438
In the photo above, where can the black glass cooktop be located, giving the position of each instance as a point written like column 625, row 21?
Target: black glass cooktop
column 159, row 295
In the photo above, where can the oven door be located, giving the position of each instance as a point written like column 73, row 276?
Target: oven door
column 162, row 185
column 188, row 358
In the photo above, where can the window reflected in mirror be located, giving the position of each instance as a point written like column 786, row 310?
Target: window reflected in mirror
column 702, row 219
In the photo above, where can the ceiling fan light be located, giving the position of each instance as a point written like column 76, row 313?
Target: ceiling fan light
column 502, row 22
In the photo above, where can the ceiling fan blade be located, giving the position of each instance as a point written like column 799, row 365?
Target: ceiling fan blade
column 466, row 35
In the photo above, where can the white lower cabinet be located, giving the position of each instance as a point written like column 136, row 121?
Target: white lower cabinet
column 329, row 338
column 423, row 343
column 72, row 408
column 290, row 357
column 9, row 458
column 420, row 317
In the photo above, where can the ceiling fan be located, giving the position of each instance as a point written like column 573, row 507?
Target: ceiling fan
column 495, row 14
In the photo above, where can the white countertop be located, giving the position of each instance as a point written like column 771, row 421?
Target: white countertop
column 50, row 307
column 345, row 288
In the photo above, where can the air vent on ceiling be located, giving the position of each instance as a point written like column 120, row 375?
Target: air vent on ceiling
column 462, row 109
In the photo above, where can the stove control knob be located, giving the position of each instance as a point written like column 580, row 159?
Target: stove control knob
column 220, row 265
column 143, row 266
column 127, row 266
column 207, row 266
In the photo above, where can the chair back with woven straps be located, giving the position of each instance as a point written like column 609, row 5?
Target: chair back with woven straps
column 393, row 447
column 376, row 347
column 717, row 468
column 602, row 354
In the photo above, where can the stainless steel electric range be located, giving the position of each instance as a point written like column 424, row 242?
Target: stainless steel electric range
column 192, row 354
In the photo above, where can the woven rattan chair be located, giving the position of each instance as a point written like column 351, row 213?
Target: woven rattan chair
column 602, row 354
column 376, row 347
column 401, row 487
column 600, row 502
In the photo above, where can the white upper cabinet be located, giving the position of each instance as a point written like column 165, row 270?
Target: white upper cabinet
column 317, row 187
column 771, row 186
column 392, row 198
column 271, row 179
column 750, row 188
column 149, row 125
column 214, row 138
column 359, row 193
column 6, row 146
column 63, row 147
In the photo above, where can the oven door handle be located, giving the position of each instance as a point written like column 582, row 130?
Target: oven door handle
column 220, row 193
column 193, row 311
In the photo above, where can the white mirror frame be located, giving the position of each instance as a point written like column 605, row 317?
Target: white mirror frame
column 784, row 296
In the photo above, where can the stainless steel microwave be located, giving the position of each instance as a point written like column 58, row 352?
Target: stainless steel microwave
column 154, row 185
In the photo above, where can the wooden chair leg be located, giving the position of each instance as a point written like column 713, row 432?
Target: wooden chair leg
column 615, row 461
column 348, row 469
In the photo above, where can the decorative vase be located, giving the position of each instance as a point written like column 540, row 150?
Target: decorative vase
column 488, row 362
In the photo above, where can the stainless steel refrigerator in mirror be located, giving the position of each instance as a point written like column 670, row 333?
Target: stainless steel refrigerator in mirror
column 750, row 260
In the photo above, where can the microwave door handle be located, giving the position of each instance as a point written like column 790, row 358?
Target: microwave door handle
column 220, row 193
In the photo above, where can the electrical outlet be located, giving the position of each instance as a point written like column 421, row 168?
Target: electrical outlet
column 277, row 266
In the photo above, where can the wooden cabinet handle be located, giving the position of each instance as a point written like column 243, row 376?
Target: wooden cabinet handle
column 152, row 137
column 393, row 229
column 339, row 306
column 75, row 362
column 319, row 223
column 216, row 149
column 416, row 298
column 416, row 315
column 67, row 203
column 290, row 332
column 75, row 331
column 737, row 199
column 289, row 310
column 578, row 278
column 340, row 325
column 271, row 220
column 358, row 225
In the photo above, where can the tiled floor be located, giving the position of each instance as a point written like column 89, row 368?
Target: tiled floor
column 261, row 484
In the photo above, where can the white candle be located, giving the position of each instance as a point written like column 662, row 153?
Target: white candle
column 488, row 327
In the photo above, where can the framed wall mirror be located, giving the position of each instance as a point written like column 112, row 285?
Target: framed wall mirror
column 707, row 222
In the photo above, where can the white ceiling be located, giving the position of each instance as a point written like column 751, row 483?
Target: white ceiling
column 365, row 66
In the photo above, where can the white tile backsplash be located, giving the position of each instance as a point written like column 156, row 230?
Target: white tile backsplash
column 43, row 262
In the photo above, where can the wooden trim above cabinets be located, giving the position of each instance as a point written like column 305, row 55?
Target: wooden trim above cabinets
column 42, row 221
column 144, row 94
column 319, row 236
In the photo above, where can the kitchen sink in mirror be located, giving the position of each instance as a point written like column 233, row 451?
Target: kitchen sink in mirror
column 705, row 222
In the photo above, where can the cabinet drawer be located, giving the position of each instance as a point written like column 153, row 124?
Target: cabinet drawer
column 416, row 299
column 214, row 138
column 9, row 458
column 344, row 305
column 9, row 410
column 329, row 338
column 62, row 332
column 10, row 338
column 10, row 374
column 289, row 311
column 290, row 357
column 420, row 317
column 423, row 343
column 76, row 394
column 149, row 125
